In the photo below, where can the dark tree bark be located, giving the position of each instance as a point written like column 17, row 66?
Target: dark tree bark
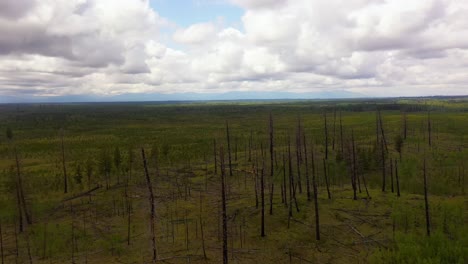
column 298, row 160
column 334, row 128
column 229, row 148
column 397, row 179
column 383, row 157
column 429, row 127
column 306, row 168
column 325, row 173
column 405, row 125
column 341, row 135
column 272, row 156
column 314, row 186
column 426, row 200
column 215, row 156
column 284, row 181
column 383, row 132
column 1, row 244
column 391, row 176
column 152, row 207
column 354, row 174
column 223, row 206
column 326, row 133
column 65, row 178
column 262, row 196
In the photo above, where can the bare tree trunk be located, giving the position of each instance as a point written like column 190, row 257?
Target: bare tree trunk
column 215, row 156
column 426, row 201
column 383, row 132
column 383, row 166
column 341, row 135
column 284, row 182
column 223, row 205
column 271, row 163
column 20, row 194
column 429, row 125
column 229, row 148
column 405, row 125
column 262, row 195
column 354, row 175
column 391, row 175
column 397, row 179
column 306, row 168
column 65, row 178
column 1, row 244
column 314, row 186
column 250, row 145
column 151, row 201
column 334, row 128
column 298, row 160
column 326, row 133
column 326, row 177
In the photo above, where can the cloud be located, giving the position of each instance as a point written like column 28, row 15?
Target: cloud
column 110, row 47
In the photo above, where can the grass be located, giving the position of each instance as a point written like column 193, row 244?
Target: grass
column 179, row 141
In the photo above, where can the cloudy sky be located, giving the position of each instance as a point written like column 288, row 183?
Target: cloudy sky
column 112, row 47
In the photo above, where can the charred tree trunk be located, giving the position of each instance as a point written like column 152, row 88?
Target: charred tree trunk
column 383, row 133
column 391, row 176
column 223, row 206
column 215, row 156
column 429, row 125
column 383, row 166
column 152, row 207
column 334, row 128
column 262, row 197
column 272, row 156
column 325, row 173
column 284, row 182
column 397, row 179
column 341, row 135
column 314, row 186
column 405, row 125
column 65, row 178
column 426, row 201
column 306, row 168
column 20, row 191
column 326, row 134
column 229, row 148
column 354, row 174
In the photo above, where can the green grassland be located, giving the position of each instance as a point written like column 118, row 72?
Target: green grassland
column 102, row 145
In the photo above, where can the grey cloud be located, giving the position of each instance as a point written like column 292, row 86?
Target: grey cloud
column 14, row 9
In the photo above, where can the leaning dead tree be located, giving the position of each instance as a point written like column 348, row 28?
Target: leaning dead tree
column 151, row 201
column 326, row 133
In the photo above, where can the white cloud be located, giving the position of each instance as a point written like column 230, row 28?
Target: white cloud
column 375, row 47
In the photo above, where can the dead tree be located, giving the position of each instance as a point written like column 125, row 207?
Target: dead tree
column 354, row 174
column 397, row 179
column 326, row 133
column 65, row 178
column 405, row 125
column 383, row 132
column 1, row 244
column 215, row 156
column 292, row 187
column 271, row 163
column 20, row 191
column 306, row 167
column 334, row 128
column 298, row 158
column 383, row 157
column 426, row 201
column 429, row 138
column 326, row 178
column 229, row 148
column 262, row 195
column 341, row 135
column 223, row 205
column 391, row 176
column 285, row 193
column 314, row 186
column 152, row 207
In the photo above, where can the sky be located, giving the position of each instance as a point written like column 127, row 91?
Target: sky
column 170, row 48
